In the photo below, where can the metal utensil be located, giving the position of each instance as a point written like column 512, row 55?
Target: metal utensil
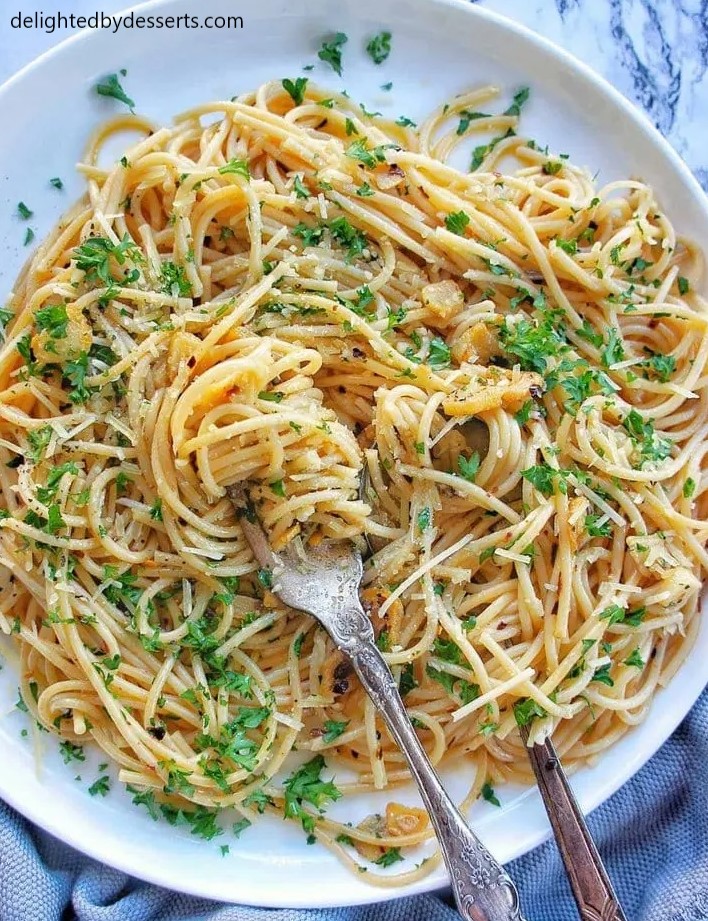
column 592, row 888
column 325, row 584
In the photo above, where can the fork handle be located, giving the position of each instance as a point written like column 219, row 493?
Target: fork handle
column 592, row 888
column 483, row 890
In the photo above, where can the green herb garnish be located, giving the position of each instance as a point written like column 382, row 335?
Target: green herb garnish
column 457, row 222
column 334, row 729
column 111, row 87
column 296, row 89
column 379, row 47
column 331, row 52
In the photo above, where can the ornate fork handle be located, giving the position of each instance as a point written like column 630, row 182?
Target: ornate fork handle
column 483, row 891
column 326, row 585
column 589, row 881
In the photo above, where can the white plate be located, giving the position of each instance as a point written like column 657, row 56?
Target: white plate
column 440, row 47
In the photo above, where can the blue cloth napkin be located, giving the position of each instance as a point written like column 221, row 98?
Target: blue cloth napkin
column 653, row 836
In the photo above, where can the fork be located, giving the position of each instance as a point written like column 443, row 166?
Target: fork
column 325, row 584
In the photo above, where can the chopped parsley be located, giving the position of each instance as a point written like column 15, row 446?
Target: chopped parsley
column 94, row 258
column 49, row 523
column 24, row 347
column 5, row 317
column 47, row 492
column 390, row 856
column 53, row 320
column 331, row 52
column 111, row 87
column 526, row 710
column 370, row 157
column 75, row 373
column 596, row 527
column 635, row 660
column 544, row 478
column 466, row 116
column 659, row 367
column 406, row 681
column 379, row 47
column 310, row 236
column 202, row 821
column 383, row 641
column 305, row 785
column 349, row 237
column 479, row 153
column 423, row 519
column 101, row 786
column 122, row 591
column 466, row 690
column 174, row 280
column 613, row 614
column 579, row 387
column 587, row 332
column 602, row 675
column 365, row 190
column 24, row 212
column 487, row 793
column 258, row 799
column 56, row 183
column 468, row 467
column 524, row 414
column 38, row 440
column 237, row 167
column 613, row 350
column 533, row 343
column 296, row 89
column 568, row 246
column 299, row 189
column 144, row 798
column 71, row 752
column 448, row 651
column 334, row 729
column 457, row 222
column 239, row 827
column 297, row 645
column 689, row 487
column 439, row 356
column 683, row 285
column 520, row 99
column 271, row 396
column 156, row 510
column 651, row 447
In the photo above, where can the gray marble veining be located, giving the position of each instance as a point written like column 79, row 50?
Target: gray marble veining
column 654, row 51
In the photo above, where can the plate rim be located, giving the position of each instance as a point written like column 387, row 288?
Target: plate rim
column 438, row 879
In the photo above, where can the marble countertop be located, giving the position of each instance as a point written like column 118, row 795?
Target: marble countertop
column 653, row 51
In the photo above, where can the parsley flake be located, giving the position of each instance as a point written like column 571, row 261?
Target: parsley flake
column 296, row 89
column 379, row 47
column 331, row 52
column 111, row 87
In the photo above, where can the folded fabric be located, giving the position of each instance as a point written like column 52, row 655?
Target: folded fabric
column 653, row 836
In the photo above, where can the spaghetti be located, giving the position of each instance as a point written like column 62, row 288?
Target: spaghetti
column 281, row 291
